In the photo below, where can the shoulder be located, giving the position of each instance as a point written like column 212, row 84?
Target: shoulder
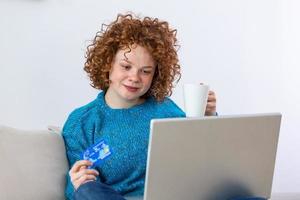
column 80, row 116
column 168, row 108
column 83, row 111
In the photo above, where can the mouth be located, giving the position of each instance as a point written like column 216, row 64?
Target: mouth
column 131, row 89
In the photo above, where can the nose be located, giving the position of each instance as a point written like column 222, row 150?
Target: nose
column 134, row 76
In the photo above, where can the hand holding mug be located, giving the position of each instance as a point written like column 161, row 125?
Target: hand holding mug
column 211, row 107
column 199, row 100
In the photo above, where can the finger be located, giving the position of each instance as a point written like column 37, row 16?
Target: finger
column 210, row 105
column 210, row 108
column 82, row 168
column 76, row 167
column 92, row 171
column 85, row 178
column 210, row 111
column 211, row 98
column 78, row 175
column 88, row 172
column 211, row 92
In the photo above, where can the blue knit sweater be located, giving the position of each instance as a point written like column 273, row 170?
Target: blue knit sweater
column 127, row 133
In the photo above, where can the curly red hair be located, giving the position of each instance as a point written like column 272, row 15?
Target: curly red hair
column 154, row 35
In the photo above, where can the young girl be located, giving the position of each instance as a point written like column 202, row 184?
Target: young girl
column 134, row 62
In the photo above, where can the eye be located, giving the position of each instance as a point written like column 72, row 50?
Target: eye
column 126, row 67
column 146, row 71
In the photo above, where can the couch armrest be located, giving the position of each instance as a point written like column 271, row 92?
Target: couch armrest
column 33, row 164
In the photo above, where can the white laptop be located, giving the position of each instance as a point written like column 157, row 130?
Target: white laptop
column 211, row 158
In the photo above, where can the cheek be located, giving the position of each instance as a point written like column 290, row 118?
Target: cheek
column 147, row 81
column 116, row 76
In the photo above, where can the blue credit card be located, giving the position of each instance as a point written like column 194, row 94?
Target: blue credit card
column 97, row 153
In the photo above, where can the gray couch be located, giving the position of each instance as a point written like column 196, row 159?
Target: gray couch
column 34, row 165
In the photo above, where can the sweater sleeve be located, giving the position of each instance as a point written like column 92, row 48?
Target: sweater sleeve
column 171, row 109
column 75, row 138
column 70, row 127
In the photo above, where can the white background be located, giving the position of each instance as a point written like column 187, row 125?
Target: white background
column 247, row 51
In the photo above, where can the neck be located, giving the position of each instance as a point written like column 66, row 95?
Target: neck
column 114, row 101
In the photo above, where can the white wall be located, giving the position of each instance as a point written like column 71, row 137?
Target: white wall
column 248, row 51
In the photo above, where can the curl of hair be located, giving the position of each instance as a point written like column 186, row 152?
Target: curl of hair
column 154, row 35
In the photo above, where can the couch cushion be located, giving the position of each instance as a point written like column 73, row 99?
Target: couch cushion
column 33, row 165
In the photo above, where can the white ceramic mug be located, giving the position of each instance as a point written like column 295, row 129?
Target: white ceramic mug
column 195, row 99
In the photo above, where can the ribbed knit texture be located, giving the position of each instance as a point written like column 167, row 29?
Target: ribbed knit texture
column 127, row 133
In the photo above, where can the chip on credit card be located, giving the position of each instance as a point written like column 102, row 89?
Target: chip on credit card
column 97, row 153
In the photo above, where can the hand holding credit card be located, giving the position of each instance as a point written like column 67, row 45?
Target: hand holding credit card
column 97, row 153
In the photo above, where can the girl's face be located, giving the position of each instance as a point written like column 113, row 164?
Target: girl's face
column 130, row 77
